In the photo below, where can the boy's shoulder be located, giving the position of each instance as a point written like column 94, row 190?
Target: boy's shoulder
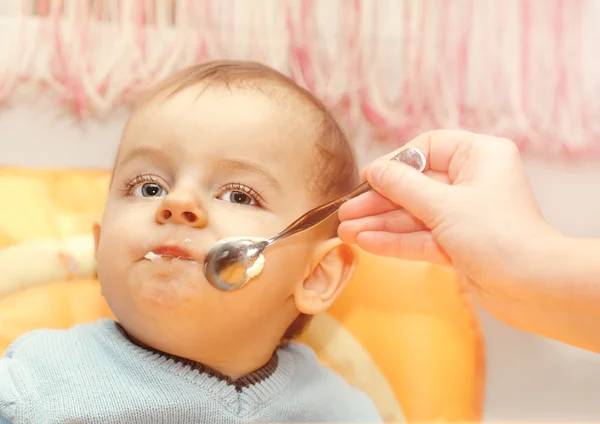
column 326, row 390
column 56, row 341
column 46, row 362
column 309, row 370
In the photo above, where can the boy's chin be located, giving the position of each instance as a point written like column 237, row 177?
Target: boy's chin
column 175, row 287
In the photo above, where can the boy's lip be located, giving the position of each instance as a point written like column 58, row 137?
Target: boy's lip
column 173, row 251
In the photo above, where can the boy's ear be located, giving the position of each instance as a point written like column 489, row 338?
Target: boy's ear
column 96, row 231
column 334, row 266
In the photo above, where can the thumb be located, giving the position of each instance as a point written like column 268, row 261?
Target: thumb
column 405, row 186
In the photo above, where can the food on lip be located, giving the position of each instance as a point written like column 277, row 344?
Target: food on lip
column 173, row 252
column 151, row 256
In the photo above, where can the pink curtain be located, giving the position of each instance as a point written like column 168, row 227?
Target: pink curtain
column 524, row 69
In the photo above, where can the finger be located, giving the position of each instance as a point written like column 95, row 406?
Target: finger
column 418, row 246
column 373, row 203
column 438, row 147
column 394, row 221
column 422, row 196
column 370, row 203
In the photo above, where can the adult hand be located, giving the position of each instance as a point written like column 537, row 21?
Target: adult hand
column 473, row 203
column 473, row 208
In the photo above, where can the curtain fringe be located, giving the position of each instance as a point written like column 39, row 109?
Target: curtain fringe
column 523, row 69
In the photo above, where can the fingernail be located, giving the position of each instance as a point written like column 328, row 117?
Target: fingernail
column 376, row 170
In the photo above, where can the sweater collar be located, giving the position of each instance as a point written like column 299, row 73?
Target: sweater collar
column 247, row 380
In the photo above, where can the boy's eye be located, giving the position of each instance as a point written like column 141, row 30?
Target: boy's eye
column 238, row 197
column 149, row 190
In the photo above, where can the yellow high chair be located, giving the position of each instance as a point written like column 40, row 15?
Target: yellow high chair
column 402, row 331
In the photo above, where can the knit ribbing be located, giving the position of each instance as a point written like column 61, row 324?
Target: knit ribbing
column 253, row 378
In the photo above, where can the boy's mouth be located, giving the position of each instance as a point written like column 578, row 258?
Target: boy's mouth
column 173, row 252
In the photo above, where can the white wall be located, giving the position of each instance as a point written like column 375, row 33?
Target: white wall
column 529, row 378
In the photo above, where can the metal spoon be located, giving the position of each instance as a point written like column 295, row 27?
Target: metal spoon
column 227, row 262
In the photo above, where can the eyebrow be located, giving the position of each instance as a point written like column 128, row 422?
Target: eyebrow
column 240, row 165
column 154, row 155
column 230, row 165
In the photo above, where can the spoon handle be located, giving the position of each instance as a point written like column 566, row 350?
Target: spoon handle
column 411, row 156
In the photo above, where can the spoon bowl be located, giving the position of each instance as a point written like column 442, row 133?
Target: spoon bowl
column 227, row 262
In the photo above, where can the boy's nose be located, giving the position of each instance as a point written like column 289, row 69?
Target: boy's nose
column 181, row 210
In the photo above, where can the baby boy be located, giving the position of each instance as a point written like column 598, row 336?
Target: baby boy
column 220, row 149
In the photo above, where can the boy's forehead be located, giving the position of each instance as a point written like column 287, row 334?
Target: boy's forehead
column 239, row 116
column 221, row 123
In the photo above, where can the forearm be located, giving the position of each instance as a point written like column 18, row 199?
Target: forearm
column 558, row 292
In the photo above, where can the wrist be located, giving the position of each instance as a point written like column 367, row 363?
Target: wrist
column 549, row 285
column 536, row 263
column 559, row 269
column 561, row 292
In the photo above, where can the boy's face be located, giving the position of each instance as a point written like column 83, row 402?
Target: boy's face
column 191, row 170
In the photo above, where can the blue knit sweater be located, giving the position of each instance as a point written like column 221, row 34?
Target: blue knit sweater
column 93, row 373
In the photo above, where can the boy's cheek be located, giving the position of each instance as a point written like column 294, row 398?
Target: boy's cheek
column 286, row 263
column 228, row 221
column 123, row 239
